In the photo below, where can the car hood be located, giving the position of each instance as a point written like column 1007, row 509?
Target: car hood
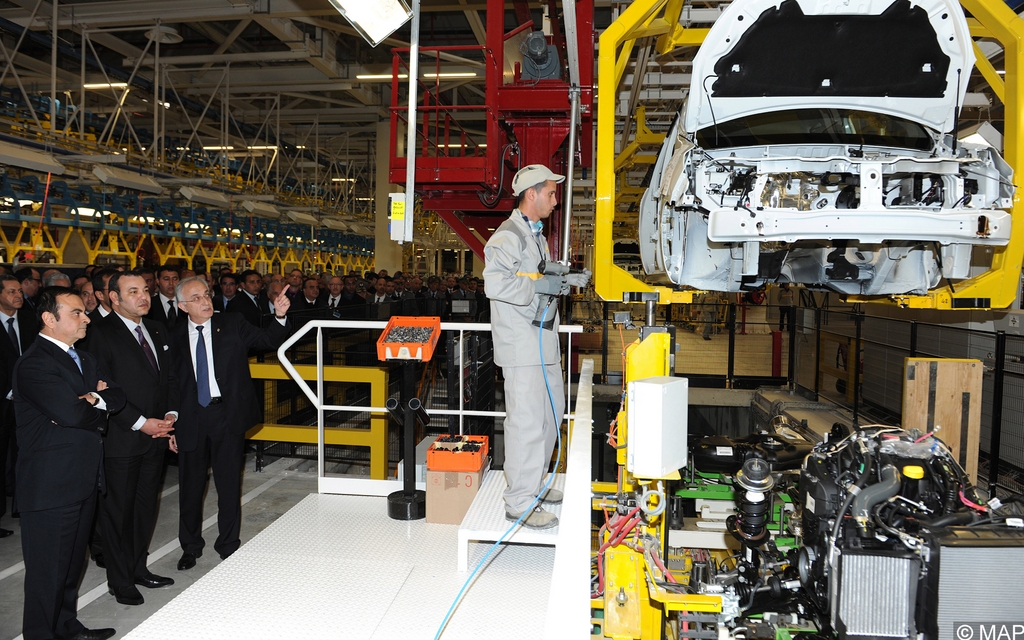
column 907, row 60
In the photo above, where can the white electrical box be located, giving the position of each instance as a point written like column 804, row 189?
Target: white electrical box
column 657, row 426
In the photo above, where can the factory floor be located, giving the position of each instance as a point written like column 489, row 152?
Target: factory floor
column 266, row 496
column 310, row 565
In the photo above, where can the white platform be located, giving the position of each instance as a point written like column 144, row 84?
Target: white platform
column 485, row 521
column 338, row 567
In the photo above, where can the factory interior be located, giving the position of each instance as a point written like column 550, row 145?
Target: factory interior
column 787, row 283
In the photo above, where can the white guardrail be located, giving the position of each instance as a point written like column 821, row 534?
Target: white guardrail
column 350, row 485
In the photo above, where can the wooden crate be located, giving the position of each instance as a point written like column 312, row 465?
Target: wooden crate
column 944, row 395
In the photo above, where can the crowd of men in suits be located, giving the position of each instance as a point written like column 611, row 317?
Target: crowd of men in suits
column 102, row 373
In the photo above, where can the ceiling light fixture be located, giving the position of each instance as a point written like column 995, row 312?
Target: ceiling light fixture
column 375, row 21
column 262, row 209
column 218, row 147
column 18, row 156
column 451, row 74
column 262, row 147
column 127, row 179
column 381, row 76
column 165, row 34
column 336, row 225
column 105, row 85
column 304, row 218
column 205, row 196
column 343, row 179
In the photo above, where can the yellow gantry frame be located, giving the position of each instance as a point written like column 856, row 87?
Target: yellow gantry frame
column 660, row 19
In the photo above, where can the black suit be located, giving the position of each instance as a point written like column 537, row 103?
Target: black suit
column 133, row 461
column 28, row 328
column 59, row 470
column 253, row 311
column 217, row 432
column 158, row 312
column 218, row 303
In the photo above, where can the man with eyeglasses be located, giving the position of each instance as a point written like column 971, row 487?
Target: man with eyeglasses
column 217, row 405
column 31, row 283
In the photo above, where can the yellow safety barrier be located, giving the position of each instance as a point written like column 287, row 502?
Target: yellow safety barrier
column 374, row 438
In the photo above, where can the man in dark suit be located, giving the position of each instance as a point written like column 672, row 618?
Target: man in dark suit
column 163, row 307
column 309, row 298
column 250, row 301
column 100, row 278
column 217, row 405
column 31, row 283
column 21, row 327
column 228, row 290
column 61, row 399
column 135, row 353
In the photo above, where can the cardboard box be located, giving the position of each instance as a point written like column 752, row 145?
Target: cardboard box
column 450, row 493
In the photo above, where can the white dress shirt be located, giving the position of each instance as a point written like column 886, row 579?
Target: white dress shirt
column 103, row 311
column 132, row 325
column 100, row 402
column 193, row 340
column 164, row 301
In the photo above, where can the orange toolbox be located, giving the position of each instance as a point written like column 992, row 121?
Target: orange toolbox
column 409, row 350
column 457, row 453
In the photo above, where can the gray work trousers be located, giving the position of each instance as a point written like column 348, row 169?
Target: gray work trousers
column 530, row 430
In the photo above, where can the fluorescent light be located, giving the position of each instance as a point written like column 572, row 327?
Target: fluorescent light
column 336, row 225
column 205, row 196
column 343, row 179
column 268, row 235
column 982, row 133
column 452, row 74
column 1001, row 72
column 374, row 20
column 304, row 218
column 381, row 76
column 264, row 209
column 262, row 147
column 456, row 145
column 127, row 179
column 105, row 85
column 18, row 156
column 217, row 147
column 365, row 199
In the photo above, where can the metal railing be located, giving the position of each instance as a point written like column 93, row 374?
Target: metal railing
column 368, row 486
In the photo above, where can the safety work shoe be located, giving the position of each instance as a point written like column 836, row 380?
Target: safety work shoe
column 538, row 519
column 553, row 496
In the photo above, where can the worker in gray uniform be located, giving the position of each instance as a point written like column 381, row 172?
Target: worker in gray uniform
column 519, row 293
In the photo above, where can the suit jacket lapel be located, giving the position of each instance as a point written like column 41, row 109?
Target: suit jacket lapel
column 136, row 350
column 218, row 342
column 63, row 358
column 159, row 341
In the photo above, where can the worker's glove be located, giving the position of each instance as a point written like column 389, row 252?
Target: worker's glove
column 552, row 286
column 578, row 279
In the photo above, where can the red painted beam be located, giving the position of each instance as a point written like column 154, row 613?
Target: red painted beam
column 464, row 232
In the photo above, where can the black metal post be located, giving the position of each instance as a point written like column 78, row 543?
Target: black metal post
column 791, row 374
column 604, row 345
column 817, row 352
column 913, row 338
column 408, row 504
column 854, row 361
column 997, row 414
column 730, row 324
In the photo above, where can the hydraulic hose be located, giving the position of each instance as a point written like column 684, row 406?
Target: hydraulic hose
column 885, row 488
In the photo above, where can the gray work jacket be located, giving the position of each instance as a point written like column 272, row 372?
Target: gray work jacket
column 511, row 258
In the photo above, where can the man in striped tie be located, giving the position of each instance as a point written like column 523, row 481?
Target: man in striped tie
column 134, row 352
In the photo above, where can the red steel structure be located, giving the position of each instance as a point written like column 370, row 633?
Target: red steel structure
column 466, row 177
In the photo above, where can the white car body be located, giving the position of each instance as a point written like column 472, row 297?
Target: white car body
column 817, row 146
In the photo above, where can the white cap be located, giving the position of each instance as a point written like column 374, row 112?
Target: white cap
column 532, row 175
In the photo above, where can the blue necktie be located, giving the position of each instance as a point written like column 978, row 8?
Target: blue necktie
column 202, row 370
column 74, row 356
